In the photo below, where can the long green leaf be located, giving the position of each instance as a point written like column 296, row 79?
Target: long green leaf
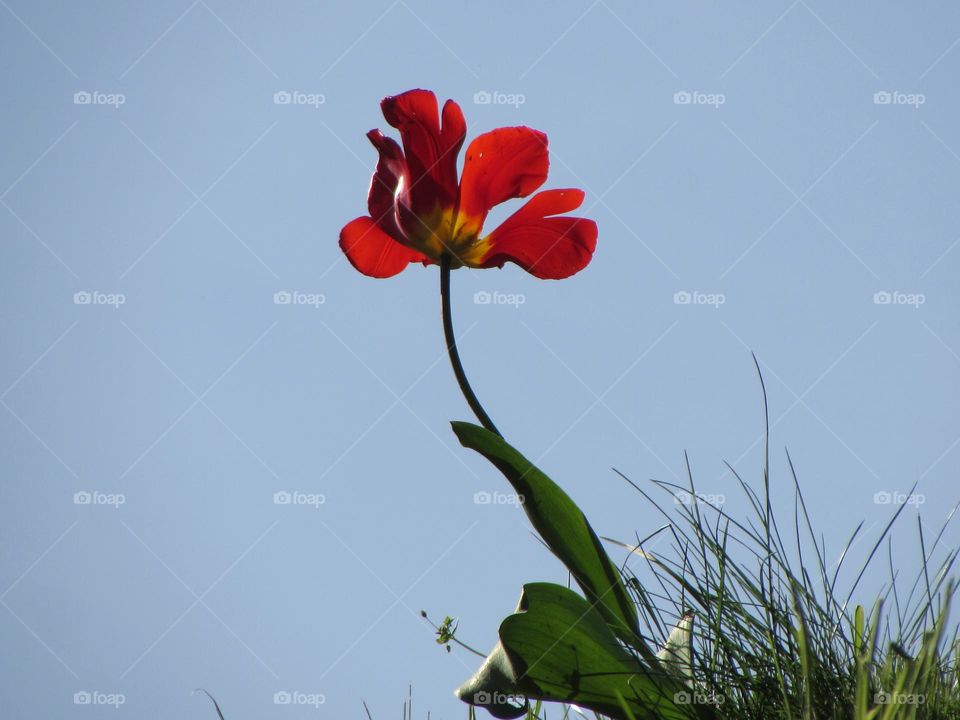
column 565, row 530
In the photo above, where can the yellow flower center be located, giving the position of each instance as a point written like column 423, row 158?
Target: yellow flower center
column 441, row 232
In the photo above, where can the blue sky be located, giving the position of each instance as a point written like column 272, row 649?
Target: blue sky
column 778, row 179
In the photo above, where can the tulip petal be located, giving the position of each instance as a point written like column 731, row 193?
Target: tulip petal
column 387, row 184
column 431, row 150
column 550, row 248
column 505, row 163
column 373, row 252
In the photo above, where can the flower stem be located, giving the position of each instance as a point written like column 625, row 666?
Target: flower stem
column 451, row 339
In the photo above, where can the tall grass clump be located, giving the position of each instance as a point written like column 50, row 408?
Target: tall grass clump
column 775, row 636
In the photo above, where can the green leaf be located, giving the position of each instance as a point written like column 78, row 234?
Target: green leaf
column 558, row 647
column 564, row 529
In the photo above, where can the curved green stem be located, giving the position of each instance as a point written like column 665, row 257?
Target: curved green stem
column 451, row 339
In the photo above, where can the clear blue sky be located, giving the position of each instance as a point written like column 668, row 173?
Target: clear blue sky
column 786, row 187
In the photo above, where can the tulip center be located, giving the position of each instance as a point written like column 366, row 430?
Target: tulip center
column 444, row 232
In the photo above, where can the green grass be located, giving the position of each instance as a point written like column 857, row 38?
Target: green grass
column 775, row 637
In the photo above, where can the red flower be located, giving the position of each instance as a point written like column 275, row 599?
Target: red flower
column 419, row 211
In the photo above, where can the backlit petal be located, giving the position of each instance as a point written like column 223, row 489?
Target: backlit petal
column 547, row 247
column 505, row 163
column 387, row 184
column 431, row 150
column 372, row 251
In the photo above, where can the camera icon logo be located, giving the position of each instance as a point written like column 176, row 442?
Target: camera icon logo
column 682, row 98
column 82, row 298
column 482, row 97
column 282, row 497
column 882, row 298
column 682, row 298
column 282, row 97
column 482, row 297
column 82, row 98
column 482, row 498
column 82, row 698
column 82, row 498
column 282, row 698
column 282, row 297
column 482, row 698
column 682, row 698
column 882, row 498
column 882, row 98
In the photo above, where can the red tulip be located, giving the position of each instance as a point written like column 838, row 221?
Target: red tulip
column 419, row 211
